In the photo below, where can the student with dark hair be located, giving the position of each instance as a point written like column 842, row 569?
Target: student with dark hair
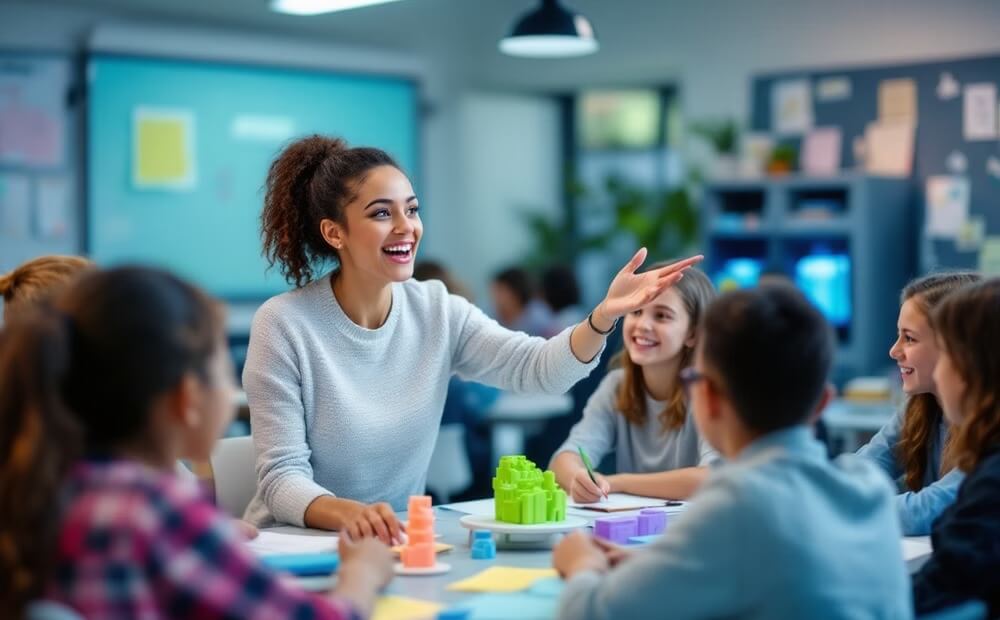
column 777, row 531
column 100, row 394
column 914, row 448
column 965, row 563
column 515, row 303
column 347, row 374
column 562, row 295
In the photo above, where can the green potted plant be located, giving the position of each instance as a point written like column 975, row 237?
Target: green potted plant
column 723, row 136
column 784, row 158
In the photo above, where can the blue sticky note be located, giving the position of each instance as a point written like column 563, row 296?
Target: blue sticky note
column 551, row 587
column 303, row 564
column 520, row 605
column 644, row 540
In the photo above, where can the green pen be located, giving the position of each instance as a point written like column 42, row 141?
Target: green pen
column 590, row 468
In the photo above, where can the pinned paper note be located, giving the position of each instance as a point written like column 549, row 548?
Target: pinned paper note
column 163, row 149
column 15, row 206
column 947, row 205
column 502, row 579
column 897, row 100
column 993, row 167
column 956, row 162
column 947, row 87
column 889, row 149
column 971, row 234
column 834, row 88
column 821, row 151
column 791, row 107
column 404, row 608
column 979, row 109
column 989, row 257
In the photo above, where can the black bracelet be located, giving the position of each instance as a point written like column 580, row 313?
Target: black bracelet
column 590, row 321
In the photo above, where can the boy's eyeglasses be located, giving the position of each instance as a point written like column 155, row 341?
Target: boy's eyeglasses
column 689, row 376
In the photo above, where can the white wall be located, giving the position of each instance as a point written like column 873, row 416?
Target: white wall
column 508, row 160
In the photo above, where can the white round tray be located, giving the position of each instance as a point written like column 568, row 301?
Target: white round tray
column 477, row 522
column 438, row 569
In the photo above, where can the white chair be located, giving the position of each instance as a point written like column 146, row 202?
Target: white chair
column 235, row 475
column 449, row 471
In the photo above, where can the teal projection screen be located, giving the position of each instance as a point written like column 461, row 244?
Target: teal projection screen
column 178, row 152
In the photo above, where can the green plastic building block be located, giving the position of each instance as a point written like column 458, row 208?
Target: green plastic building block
column 524, row 494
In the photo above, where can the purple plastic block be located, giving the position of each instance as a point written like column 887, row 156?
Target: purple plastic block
column 652, row 522
column 617, row 530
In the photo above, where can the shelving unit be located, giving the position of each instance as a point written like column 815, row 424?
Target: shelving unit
column 859, row 226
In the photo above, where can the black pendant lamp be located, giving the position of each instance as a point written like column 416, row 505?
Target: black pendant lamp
column 550, row 31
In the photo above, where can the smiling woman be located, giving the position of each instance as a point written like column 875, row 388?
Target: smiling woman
column 346, row 375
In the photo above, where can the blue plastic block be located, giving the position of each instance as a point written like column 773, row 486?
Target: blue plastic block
column 484, row 549
column 453, row 614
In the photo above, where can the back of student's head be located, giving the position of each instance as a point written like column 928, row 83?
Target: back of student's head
column 433, row 270
column 80, row 376
column 313, row 179
column 518, row 282
column 559, row 288
column 36, row 280
column 771, row 350
column 968, row 327
column 923, row 413
column 696, row 292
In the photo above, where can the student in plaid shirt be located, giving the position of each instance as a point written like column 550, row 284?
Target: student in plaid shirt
column 100, row 394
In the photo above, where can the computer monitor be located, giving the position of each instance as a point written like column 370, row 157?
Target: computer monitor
column 736, row 273
column 825, row 278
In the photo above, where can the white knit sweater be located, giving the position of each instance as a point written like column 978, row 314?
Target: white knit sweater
column 337, row 409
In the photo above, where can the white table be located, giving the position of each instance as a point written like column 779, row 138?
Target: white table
column 513, row 417
column 433, row 588
column 848, row 421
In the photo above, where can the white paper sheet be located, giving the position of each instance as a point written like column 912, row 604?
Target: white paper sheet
column 624, row 501
column 947, row 205
column 274, row 543
column 916, row 547
column 791, row 107
column 979, row 112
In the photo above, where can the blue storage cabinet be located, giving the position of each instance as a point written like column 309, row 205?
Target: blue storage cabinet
column 847, row 241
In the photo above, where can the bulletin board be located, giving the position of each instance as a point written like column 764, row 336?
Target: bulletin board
column 849, row 99
column 178, row 154
column 39, row 197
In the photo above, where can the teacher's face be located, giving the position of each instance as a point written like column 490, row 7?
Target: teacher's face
column 383, row 226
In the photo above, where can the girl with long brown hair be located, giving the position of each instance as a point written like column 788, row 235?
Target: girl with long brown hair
column 913, row 447
column 346, row 376
column 100, row 393
column 639, row 411
column 966, row 538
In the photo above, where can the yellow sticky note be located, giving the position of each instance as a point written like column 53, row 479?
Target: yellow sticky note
column 162, row 149
column 404, row 608
column 502, row 579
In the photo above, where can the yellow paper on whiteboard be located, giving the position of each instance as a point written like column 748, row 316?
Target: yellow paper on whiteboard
column 163, row 149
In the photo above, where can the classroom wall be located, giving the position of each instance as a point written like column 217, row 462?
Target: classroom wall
column 482, row 154
column 510, row 161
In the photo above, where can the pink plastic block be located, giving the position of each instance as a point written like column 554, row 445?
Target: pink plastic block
column 652, row 522
column 617, row 530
